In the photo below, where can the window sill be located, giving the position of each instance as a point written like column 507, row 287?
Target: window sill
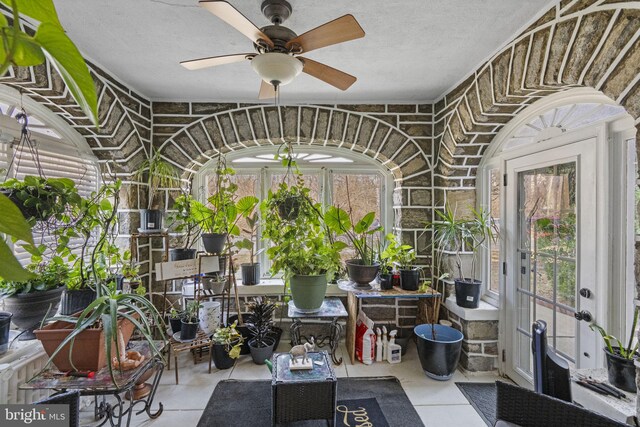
column 274, row 287
column 485, row 311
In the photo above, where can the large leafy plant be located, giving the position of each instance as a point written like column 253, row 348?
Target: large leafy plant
column 395, row 253
column 230, row 338
column 51, row 42
column 221, row 216
column 13, row 224
column 300, row 246
column 456, row 235
column 363, row 234
column 250, row 215
column 184, row 218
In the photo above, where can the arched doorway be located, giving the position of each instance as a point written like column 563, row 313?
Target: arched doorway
column 560, row 178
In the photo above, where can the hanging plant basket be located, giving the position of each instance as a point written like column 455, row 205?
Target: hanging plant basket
column 289, row 207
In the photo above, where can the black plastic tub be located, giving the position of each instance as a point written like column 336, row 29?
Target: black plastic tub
column 468, row 292
column 76, row 300
column 620, row 371
column 439, row 357
column 180, row 254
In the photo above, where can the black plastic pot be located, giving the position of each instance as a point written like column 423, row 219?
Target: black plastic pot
column 244, row 331
column 410, row 279
column 76, row 300
column 150, row 219
column 468, row 292
column 361, row 273
column 289, row 208
column 386, row 281
column 214, row 242
column 222, row 265
column 439, row 357
column 260, row 354
column 180, row 254
column 221, row 357
column 5, row 327
column 29, row 309
column 188, row 331
column 620, row 371
column 176, row 325
column 250, row 274
column 276, row 334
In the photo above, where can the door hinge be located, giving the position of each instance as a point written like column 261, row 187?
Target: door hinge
column 504, row 179
column 504, row 355
column 504, row 268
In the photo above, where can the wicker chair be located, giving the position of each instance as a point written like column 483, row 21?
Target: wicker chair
column 71, row 398
column 526, row 408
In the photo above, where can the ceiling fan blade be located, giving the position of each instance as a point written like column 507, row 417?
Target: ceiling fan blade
column 339, row 30
column 327, row 74
column 212, row 61
column 237, row 20
column 267, row 91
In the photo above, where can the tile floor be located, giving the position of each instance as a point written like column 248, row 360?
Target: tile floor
column 438, row 403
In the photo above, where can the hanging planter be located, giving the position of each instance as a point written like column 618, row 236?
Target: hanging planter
column 40, row 199
column 289, row 207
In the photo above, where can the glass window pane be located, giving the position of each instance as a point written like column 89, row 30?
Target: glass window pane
column 494, row 247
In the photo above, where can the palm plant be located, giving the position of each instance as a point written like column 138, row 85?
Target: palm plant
column 157, row 173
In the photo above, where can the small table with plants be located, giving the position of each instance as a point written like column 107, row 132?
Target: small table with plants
column 122, row 386
column 202, row 341
column 332, row 308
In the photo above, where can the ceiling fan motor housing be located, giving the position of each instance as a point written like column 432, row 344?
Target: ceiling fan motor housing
column 276, row 11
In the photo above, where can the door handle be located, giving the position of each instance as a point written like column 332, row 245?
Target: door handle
column 583, row 315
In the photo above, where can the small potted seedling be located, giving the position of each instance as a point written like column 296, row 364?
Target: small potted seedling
column 409, row 273
column 175, row 320
column 189, row 327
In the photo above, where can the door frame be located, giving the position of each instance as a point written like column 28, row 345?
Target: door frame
column 581, row 148
column 603, row 272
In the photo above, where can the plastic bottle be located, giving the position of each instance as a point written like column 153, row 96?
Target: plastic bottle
column 379, row 345
column 394, row 351
column 384, row 343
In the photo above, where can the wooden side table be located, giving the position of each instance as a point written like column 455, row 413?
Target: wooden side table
column 332, row 308
column 201, row 342
column 354, row 302
column 303, row 394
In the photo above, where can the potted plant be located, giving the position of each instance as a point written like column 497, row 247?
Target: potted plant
column 190, row 321
column 131, row 275
column 439, row 349
column 364, row 237
column 215, row 282
column 183, row 220
column 226, row 346
column 409, row 273
column 304, row 251
column 219, row 220
column 388, row 259
column 251, row 270
column 621, row 370
column 99, row 334
column 156, row 173
column 261, row 327
column 39, row 198
column 31, row 300
column 456, row 235
column 175, row 320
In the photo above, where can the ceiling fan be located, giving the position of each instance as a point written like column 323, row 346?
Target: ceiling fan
column 277, row 60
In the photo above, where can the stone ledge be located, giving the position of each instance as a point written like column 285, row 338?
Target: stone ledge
column 485, row 311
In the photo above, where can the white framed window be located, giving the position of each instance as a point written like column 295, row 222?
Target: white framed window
column 60, row 152
column 334, row 176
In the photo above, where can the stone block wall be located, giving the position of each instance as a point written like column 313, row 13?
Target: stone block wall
column 480, row 344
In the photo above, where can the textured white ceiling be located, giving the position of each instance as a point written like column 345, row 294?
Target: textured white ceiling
column 413, row 51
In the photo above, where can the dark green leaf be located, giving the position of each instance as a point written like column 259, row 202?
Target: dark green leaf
column 12, row 222
column 10, row 268
column 64, row 55
column 40, row 10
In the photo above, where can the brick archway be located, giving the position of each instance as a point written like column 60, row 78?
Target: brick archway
column 585, row 43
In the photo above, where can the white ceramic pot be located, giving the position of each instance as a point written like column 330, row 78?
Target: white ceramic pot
column 209, row 316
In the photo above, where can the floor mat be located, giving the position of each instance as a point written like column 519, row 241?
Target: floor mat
column 482, row 397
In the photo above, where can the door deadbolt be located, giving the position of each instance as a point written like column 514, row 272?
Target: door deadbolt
column 583, row 315
column 585, row 292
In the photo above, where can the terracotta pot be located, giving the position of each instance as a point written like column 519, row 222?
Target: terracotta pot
column 89, row 351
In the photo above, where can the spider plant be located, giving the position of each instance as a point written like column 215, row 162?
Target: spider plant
column 157, row 173
column 626, row 352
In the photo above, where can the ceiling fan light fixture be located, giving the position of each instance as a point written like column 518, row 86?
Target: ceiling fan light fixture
column 276, row 68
